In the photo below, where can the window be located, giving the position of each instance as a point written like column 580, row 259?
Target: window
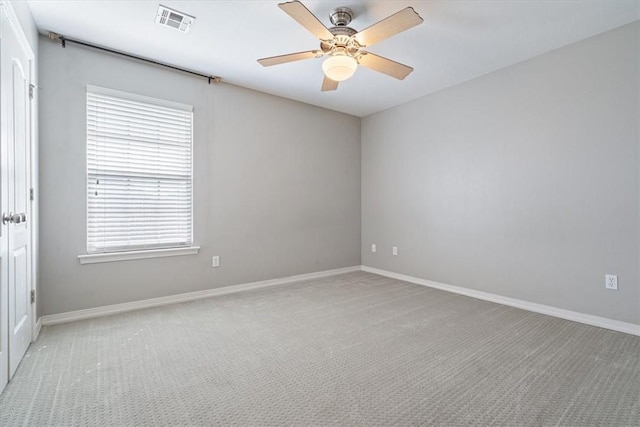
column 139, row 172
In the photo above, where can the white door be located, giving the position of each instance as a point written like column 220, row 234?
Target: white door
column 4, row 201
column 15, row 151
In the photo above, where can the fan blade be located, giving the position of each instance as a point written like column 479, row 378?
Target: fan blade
column 328, row 84
column 384, row 65
column 300, row 13
column 390, row 26
column 275, row 60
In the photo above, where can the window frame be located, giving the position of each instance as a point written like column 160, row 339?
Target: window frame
column 137, row 252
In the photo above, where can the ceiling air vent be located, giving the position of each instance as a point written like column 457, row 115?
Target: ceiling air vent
column 174, row 19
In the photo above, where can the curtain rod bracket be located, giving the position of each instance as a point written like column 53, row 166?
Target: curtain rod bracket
column 55, row 37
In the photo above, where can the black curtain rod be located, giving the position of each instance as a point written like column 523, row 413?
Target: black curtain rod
column 64, row 40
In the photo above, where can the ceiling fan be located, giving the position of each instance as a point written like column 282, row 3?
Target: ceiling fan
column 344, row 46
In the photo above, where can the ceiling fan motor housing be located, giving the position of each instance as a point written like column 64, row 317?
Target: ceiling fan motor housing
column 342, row 42
column 342, row 31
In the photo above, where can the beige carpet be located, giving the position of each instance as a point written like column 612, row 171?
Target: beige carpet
column 354, row 349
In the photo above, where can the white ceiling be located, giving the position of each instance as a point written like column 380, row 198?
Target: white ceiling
column 459, row 40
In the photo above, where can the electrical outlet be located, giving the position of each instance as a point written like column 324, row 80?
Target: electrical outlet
column 611, row 282
column 215, row 261
column 373, row 247
column 394, row 250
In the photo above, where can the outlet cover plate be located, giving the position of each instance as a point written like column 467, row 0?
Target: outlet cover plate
column 611, row 282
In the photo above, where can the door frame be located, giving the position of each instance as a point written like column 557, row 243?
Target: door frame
column 32, row 208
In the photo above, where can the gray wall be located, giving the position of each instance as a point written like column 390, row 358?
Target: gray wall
column 523, row 182
column 21, row 8
column 276, row 185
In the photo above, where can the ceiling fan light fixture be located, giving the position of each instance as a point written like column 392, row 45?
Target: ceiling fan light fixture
column 339, row 67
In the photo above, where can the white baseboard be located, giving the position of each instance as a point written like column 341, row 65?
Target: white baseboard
column 602, row 322
column 54, row 319
column 36, row 333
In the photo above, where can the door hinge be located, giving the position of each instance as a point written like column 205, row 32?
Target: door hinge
column 31, row 87
column 31, row 197
column 33, row 296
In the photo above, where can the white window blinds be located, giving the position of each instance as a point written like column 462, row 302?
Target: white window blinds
column 139, row 173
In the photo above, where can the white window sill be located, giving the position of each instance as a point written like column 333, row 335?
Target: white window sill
column 131, row 255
